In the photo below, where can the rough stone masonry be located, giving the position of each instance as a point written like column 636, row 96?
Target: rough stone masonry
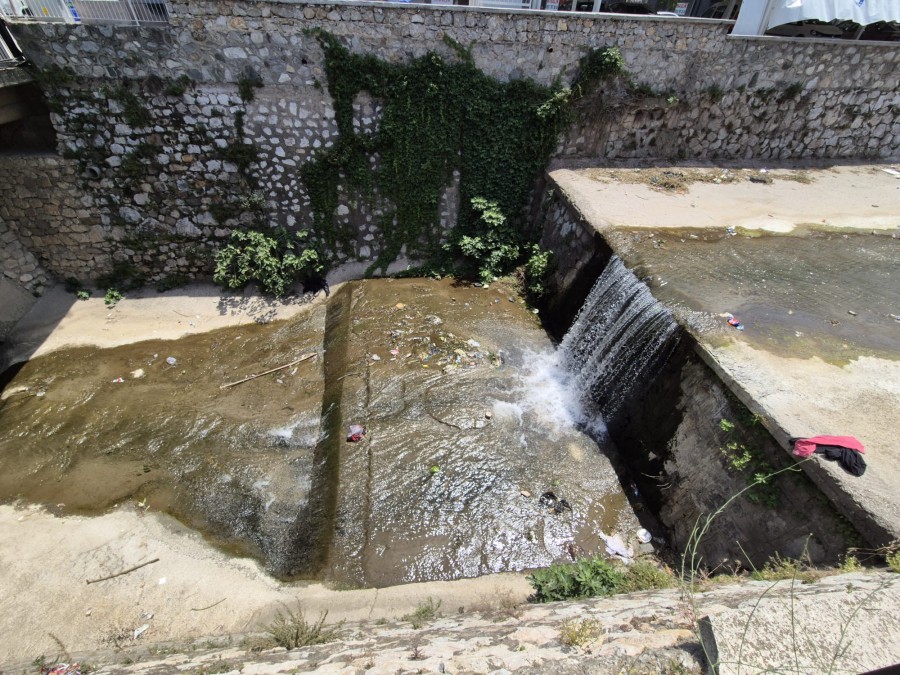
column 145, row 193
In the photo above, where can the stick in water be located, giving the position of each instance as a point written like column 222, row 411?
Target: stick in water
column 118, row 574
column 253, row 377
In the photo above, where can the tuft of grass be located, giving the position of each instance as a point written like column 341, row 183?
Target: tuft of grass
column 851, row 564
column 291, row 630
column 581, row 633
column 893, row 561
column 424, row 612
column 779, row 568
column 643, row 575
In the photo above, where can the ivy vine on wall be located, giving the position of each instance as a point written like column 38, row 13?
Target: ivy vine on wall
column 441, row 116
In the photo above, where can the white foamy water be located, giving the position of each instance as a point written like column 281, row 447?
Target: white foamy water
column 549, row 393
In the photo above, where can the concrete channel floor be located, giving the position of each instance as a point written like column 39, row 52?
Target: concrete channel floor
column 805, row 390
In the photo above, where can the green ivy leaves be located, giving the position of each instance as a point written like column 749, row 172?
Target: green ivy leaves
column 439, row 117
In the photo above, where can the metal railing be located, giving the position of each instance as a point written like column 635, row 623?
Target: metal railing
column 126, row 12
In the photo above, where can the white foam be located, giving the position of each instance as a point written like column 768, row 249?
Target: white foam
column 549, row 392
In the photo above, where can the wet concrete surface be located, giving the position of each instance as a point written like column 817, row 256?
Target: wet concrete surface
column 811, row 272
column 461, row 443
column 828, row 294
column 446, row 483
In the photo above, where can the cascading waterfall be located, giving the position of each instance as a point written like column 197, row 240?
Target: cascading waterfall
column 619, row 339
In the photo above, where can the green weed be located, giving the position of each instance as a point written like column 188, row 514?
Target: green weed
column 425, row 612
column 581, row 633
column 274, row 260
column 291, row 630
column 893, row 561
column 112, row 297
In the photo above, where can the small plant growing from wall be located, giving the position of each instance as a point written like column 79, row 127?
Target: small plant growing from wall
column 275, row 260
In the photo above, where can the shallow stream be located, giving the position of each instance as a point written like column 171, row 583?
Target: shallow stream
column 468, row 424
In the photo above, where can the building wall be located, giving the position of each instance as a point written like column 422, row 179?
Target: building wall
column 698, row 94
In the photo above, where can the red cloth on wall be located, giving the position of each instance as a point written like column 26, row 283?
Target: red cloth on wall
column 804, row 447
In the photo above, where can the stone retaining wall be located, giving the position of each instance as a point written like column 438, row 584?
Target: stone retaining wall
column 17, row 263
column 697, row 93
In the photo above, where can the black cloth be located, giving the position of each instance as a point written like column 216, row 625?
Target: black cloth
column 850, row 460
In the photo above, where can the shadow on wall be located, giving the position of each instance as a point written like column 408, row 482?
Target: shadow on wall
column 25, row 121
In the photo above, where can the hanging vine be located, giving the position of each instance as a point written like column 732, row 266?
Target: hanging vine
column 438, row 117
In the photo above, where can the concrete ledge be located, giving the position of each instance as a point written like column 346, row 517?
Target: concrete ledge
column 841, row 624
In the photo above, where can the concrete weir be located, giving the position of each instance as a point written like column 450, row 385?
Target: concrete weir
column 807, row 260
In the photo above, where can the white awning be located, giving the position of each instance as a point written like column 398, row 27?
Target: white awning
column 862, row 12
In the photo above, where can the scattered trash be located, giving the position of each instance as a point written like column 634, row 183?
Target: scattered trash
column 64, row 669
column 375, row 357
column 162, row 581
column 434, row 469
column 731, row 231
column 399, row 305
column 616, row 547
column 140, row 631
column 732, row 321
column 525, row 493
column 554, row 503
column 644, row 536
column 171, row 360
column 146, row 616
column 137, row 374
column 395, row 352
column 633, row 489
column 893, row 172
column 88, row 612
column 355, row 433
column 118, row 379
column 851, row 312
column 488, row 414
column 473, row 343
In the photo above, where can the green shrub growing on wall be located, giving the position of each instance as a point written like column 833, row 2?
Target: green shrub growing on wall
column 274, row 260
column 437, row 117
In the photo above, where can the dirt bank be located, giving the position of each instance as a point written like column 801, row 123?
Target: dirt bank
column 192, row 591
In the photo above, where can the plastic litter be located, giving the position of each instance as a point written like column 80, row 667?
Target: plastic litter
column 140, row 631
column 171, row 360
column 731, row 231
column 732, row 321
column 64, row 669
column 118, row 379
column 644, row 536
column 617, row 548
column 355, row 433
column 554, row 503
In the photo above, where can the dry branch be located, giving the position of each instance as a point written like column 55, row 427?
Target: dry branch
column 253, row 377
column 118, row 574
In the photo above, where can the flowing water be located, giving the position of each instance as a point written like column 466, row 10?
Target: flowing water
column 619, row 339
column 470, row 421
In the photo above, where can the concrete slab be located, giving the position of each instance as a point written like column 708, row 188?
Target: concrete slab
column 837, row 625
column 819, row 294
